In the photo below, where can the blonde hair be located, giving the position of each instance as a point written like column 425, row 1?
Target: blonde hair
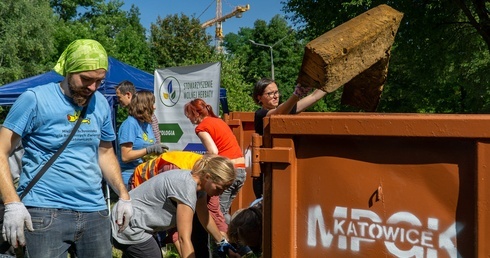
column 220, row 169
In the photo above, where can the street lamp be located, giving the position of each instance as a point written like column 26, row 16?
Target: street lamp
column 271, row 48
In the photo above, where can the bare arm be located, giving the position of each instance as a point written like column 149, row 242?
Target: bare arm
column 206, row 219
column 309, row 100
column 285, row 107
column 208, row 142
column 128, row 154
column 111, row 170
column 184, row 228
column 8, row 140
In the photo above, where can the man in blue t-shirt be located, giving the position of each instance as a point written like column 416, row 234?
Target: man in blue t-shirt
column 66, row 208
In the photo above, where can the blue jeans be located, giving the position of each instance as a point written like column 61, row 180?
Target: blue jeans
column 227, row 197
column 88, row 234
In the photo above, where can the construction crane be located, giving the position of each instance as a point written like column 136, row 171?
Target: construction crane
column 237, row 12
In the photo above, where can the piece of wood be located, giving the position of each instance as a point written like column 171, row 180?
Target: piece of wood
column 364, row 90
column 336, row 57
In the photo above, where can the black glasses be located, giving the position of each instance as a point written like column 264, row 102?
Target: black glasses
column 272, row 94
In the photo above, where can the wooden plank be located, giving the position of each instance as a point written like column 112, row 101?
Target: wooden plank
column 341, row 54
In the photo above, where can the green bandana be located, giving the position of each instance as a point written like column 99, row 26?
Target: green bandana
column 80, row 56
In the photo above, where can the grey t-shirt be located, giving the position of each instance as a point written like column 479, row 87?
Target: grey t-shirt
column 153, row 207
column 15, row 162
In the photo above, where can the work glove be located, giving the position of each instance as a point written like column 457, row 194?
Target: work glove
column 15, row 218
column 124, row 212
column 157, row 148
column 223, row 247
column 301, row 91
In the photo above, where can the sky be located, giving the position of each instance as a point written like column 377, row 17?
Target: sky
column 206, row 10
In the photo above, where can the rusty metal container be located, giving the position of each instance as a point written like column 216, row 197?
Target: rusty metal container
column 242, row 125
column 375, row 185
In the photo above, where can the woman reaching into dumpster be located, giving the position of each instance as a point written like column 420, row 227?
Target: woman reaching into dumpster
column 217, row 138
column 266, row 94
column 169, row 200
column 245, row 229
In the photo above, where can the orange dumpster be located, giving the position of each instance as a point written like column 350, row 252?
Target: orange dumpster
column 375, row 185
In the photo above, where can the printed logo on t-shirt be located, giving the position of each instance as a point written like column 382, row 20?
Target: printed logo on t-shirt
column 73, row 118
column 146, row 138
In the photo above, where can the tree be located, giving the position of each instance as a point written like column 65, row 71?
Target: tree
column 68, row 9
column 120, row 32
column 132, row 46
column 437, row 62
column 179, row 40
column 478, row 16
column 26, row 42
column 238, row 92
column 287, row 53
column 30, row 44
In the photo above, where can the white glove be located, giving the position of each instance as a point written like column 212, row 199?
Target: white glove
column 15, row 218
column 124, row 212
column 224, row 247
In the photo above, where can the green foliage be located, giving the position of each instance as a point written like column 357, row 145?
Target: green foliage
column 67, row 9
column 120, row 32
column 179, row 40
column 287, row 55
column 3, row 113
column 26, row 42
column 238, row 92
column 438, row 62
column 131, row 44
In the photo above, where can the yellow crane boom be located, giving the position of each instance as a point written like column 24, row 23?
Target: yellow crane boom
column 237, row 12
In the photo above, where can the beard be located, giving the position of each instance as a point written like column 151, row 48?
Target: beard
column 79, row 94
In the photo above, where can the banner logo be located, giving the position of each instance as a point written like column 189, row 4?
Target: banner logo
column 169, row 91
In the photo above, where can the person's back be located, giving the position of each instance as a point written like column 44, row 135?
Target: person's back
column 222, row 135
column 218, row 138
column 164, row 162
column 155, row 204
column 183, row 160
column 170, row 195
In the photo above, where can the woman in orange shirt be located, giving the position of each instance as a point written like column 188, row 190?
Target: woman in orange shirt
column 217, row 138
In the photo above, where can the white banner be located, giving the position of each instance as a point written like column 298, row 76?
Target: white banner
column 175, row 87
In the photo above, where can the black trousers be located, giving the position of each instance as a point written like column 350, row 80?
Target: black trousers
column 199, row 238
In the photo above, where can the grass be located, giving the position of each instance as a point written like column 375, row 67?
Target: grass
column 169, row 252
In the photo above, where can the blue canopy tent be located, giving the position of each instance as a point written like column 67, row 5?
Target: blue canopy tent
column 118, row 72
